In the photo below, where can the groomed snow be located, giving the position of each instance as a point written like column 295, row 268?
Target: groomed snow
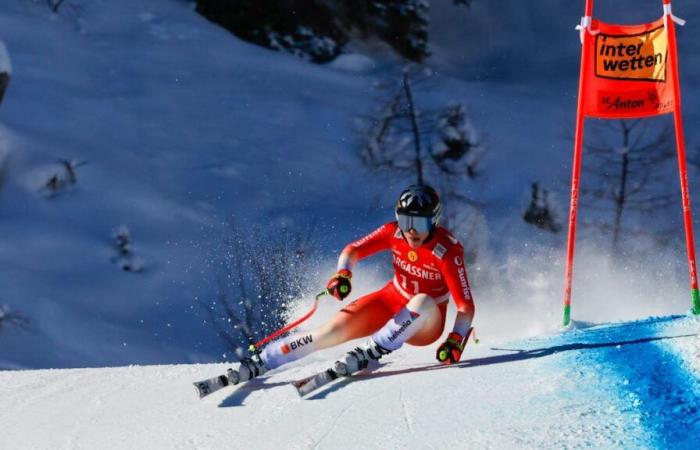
column 622, row 385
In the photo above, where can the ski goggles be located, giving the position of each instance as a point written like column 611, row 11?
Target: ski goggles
column 419, row 224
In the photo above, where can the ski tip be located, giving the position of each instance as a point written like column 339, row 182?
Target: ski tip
column 202, row 388
column 307, row 385
column 302, row 392
column 299, row 383
column 206, row 387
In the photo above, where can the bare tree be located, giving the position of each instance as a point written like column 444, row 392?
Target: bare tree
column 455, row 154
column 8, row 316
column 457, row 151
column 403, row 138
column 54, row 5
column 4, row 83
column 394, row 133
column 68, row 9
column 437, row 145
column 540, row 212
column 260, row 276
column 59, row 181
column 627, row 176
column 124, row 256
column 5, row 70
column 412, row 114
column 694, row 159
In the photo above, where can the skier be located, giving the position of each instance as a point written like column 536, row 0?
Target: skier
column 428, row 269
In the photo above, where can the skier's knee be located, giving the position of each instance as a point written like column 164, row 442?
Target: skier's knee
column 422, row 303
column 408, row 321
column 428, row 334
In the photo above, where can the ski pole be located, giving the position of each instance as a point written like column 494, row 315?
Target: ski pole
column 254, row 348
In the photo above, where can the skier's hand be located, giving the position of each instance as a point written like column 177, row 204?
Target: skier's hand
column 450, row 351
column 339, row 285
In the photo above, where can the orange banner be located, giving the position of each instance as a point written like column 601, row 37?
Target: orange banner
column 628, row 73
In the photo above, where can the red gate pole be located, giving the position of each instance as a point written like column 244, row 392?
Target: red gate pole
column 576, row 171
column 680, row 146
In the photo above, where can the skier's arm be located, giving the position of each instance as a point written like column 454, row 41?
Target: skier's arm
column 455, row 274
column 376, row 241
column 339, row 286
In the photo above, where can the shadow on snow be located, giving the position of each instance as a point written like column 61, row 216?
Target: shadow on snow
column 517, row 355
column 241, row 393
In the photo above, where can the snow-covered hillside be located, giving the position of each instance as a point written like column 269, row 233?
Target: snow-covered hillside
column 617, row 386
column 172, row 127
column 182, row 126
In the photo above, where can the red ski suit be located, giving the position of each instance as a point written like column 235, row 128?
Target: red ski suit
column 436, row 268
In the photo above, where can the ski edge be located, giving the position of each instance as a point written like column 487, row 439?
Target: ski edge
column 307, row 385
column 211, row 385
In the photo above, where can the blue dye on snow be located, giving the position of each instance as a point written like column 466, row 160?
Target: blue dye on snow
column 649, row 381
column 665, row 393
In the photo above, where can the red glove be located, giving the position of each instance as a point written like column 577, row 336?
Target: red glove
column 450, row 351
column 339, row 285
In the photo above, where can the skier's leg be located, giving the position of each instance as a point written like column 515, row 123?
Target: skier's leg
column 361, row 318
column 420, row 322
column 432, row 329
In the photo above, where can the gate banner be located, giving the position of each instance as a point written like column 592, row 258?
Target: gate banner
column 629, row 71
column 628, row 74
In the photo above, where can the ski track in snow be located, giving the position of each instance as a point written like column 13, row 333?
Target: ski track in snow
column 331, row 427
column 406, row 418
column 623, row 385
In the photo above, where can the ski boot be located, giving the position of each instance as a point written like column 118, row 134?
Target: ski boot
column 249, row 369
column 359, row 358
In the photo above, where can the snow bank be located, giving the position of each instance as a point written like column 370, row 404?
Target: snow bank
column 609, row 386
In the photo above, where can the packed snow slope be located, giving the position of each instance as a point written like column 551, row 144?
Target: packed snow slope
column 182, row 127
column 622, row 385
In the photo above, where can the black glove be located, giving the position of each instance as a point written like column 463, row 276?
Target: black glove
column 339, row 285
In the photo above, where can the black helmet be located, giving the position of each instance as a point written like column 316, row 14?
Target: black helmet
column 419, row 201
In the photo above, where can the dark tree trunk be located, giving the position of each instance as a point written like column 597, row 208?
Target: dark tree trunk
column 414, row 127
column 622, row 193
column 4, row 82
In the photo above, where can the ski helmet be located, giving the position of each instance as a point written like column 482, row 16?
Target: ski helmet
column 415, row 203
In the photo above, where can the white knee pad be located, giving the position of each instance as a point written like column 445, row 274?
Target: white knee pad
column 407, row 322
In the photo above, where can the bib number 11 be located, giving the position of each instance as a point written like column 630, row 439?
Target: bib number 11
column 414, row 283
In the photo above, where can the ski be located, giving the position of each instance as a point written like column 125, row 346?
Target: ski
column 206, row 387
column 211, row 385
column 309, row 384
